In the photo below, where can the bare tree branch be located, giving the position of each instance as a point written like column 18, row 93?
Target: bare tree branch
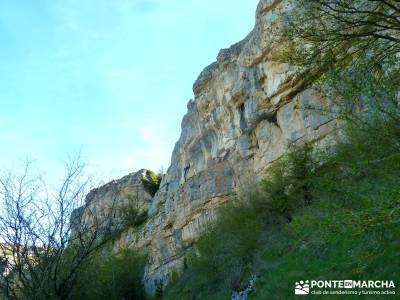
column 43, row 250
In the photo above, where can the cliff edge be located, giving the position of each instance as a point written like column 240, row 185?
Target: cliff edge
column 246, row 111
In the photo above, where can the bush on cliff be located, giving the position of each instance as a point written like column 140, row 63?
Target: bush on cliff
column 151, row 182
column 223, row 258
column 132, row 216
column 289, row 183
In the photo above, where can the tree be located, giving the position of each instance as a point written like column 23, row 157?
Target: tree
column 43, row 250
column 113, row 277
column 331, row 35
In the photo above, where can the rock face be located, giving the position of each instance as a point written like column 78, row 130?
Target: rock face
column 247, row 109
column 111, row 200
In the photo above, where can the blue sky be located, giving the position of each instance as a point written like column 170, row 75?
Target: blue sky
column 110, row 78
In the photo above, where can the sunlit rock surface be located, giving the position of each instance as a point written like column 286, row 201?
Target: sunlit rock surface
column 106, row 205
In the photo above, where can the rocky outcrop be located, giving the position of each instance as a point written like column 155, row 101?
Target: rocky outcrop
column 247, row 109
column 107, row 204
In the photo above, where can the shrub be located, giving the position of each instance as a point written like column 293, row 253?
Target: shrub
column 288, row 185
column 115, row 277
column 151, row 182
column 223, row 257
column 132, row 216
column 348, row 230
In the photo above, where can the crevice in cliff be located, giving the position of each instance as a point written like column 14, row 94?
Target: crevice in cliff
column 185, row 172
column 267, row 8
column 269, row 116
column 243, row 123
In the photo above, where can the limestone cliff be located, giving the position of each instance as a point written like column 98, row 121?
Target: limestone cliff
column 246, row 111
column 107, row 204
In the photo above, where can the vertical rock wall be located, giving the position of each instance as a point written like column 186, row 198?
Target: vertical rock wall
column 246, row 111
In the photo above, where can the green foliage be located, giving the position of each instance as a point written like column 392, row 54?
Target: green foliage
column 133, row 217
column 339, row 34
column 114, row 277
column 349, row 232
column 288, row 185
column 151, row 182
column 349, row 50
column 159, row 284
column 223, row 256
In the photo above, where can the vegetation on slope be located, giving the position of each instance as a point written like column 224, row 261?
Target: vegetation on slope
column 112, row 277
column 321, row 214
column 151, row 182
